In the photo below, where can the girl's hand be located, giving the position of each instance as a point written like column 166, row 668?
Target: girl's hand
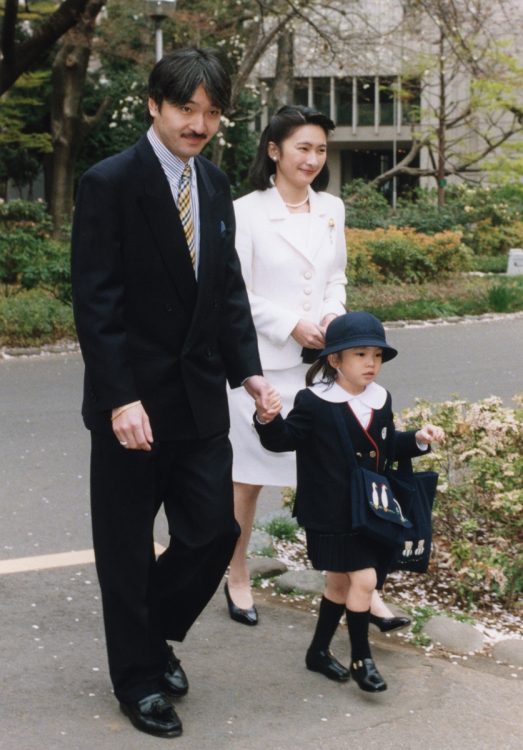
column 267, row 414
column 430, row 433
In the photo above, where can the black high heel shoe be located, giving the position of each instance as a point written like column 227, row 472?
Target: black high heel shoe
column 366, row 674
column 389, row 623
column 245, row 616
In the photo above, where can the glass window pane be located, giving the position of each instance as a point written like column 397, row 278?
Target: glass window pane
column 365, row 101
column 343, row 100
column 321, row 95
column 301, row 91
column 387, row 88
column 410, row 101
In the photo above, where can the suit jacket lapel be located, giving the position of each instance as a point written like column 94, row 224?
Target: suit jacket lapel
column 164, row 222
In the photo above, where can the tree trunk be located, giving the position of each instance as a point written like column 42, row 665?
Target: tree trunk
column 442, row 119
column 68, row 123
column 283, row 89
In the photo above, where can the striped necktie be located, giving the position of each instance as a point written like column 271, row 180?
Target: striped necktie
column 184, row 209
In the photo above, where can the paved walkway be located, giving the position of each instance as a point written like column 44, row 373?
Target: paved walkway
column 249, row 687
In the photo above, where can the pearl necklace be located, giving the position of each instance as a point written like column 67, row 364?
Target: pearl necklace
column 298, row 205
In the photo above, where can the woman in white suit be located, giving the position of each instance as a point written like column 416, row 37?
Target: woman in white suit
column 291, row 241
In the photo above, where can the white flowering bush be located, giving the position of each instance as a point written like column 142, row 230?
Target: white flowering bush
column 478, row 514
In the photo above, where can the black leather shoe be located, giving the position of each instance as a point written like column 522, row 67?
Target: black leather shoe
column 326, row 664
column 154, row 715
column 174, row 680
column 367, row 676
column 245, row 616
column 389, row 623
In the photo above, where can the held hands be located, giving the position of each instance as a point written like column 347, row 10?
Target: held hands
column 266, row 398
column 267, row 414
column 430, row 433
column 132, row 427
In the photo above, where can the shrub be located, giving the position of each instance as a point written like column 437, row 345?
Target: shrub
column 366, row 207
column 32, row 318
column 487, row 238
column 403, row 255
column 29, row 257
column 478, row 516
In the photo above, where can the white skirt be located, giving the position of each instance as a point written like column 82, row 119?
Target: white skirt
column 252, row 464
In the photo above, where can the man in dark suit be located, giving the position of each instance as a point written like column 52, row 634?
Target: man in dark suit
column 163, row 321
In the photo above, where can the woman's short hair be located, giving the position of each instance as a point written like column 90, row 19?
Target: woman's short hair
column 176, row 77
column 281, row 126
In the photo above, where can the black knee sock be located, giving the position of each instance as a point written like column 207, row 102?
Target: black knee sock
column 358, row 625
column 328, row 619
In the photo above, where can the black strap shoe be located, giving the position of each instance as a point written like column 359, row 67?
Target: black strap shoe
column 245, row 616
column 153, row 715
column 389, row 623
column 326, row 664
column 366, row 674
column 174, row 680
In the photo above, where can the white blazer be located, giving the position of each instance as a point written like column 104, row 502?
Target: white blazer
column 293, row 266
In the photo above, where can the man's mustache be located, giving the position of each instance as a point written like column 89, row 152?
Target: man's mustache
column 192, row 134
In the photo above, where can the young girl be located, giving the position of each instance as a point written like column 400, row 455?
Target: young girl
column 355, row 348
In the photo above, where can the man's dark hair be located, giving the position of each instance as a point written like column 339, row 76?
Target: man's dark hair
column 176, row 77
column 281, row 126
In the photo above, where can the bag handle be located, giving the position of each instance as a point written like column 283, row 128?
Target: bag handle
column 404, row 466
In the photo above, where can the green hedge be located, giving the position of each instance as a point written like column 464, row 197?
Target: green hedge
column 33, row 318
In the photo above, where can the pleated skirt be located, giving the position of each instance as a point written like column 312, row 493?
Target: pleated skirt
column 347, row 552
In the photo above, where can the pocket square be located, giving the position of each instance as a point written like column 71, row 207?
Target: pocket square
column 222, row 229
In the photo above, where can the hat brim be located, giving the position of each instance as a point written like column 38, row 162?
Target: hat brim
column 388, row 351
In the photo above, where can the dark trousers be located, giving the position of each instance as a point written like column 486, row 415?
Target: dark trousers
column 146, row 601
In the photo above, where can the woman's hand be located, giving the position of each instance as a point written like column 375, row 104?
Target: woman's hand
column 430, row 433
column 308, row 334
column 324, row 322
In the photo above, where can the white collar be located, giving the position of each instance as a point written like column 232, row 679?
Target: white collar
column 374, row 395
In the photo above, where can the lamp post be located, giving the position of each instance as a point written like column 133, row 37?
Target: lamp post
column 159, row 10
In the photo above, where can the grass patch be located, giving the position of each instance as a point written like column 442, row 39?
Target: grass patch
column 462, row 295
column 282, row 528
column 420, row 616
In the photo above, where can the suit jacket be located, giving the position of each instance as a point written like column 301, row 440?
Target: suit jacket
column 147, row 329
column 290, row 274
column 323, row 486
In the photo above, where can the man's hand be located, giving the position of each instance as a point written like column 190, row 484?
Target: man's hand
column 132, row 427
column 430, row 433
column 261, row 391
column 274, row 407
column 308, row 334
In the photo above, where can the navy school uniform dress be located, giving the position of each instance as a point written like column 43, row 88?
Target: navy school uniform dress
column 322, row 504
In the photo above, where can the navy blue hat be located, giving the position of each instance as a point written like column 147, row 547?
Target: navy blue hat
column 355, row 329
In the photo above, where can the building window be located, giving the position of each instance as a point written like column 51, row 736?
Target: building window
column 343, row 101
column 387, row 91
column 321, row 95
column 301, row 91
column 410, row 95
column 365, row 101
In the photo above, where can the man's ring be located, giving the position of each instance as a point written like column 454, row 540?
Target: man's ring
column 123, row 442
